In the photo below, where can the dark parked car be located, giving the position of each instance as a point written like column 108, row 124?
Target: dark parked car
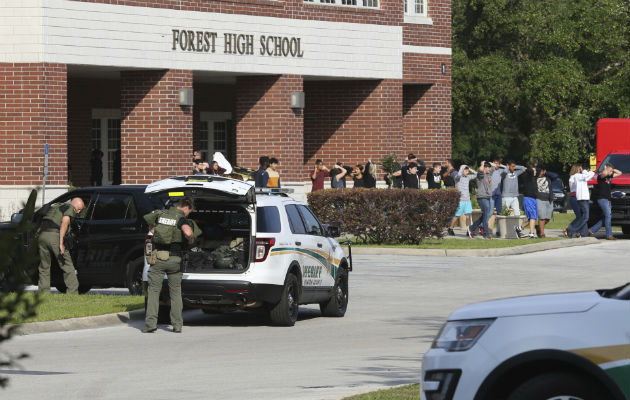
column 559, row 195
column 110, row 235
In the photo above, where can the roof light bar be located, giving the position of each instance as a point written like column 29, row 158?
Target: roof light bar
column 260, row 190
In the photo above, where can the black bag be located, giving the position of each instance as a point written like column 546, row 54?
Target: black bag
column 70, row 240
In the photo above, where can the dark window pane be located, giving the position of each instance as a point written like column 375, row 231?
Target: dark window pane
column 312, row 224
column 267, row 220
column 295, row 221
column 111, row 206
column 619, row 161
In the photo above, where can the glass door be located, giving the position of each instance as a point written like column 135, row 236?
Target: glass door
column 106, row 138
column 213, row 133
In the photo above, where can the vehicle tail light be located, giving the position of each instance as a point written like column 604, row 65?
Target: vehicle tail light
column 262, row 248
column 148, row 245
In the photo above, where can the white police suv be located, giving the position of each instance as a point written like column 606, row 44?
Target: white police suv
column 572, row 346
column 257, row 249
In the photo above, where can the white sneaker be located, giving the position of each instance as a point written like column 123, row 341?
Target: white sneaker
column 532, row 236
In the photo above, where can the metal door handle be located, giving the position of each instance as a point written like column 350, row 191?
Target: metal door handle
column 298, row 243
column 319, row 245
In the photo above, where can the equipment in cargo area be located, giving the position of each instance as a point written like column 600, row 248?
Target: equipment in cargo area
column 224, row 244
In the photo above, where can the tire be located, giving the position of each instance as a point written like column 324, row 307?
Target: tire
column 285, row 313
column 625, row 229
column 558, row 385
column 338, row 303
column 133, row 276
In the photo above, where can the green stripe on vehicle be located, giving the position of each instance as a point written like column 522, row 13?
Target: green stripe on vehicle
column 620, row 376
column 319, row 257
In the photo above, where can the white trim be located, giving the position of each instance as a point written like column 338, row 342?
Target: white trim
column 445, row 51
column 614, row 364
column 418, row 19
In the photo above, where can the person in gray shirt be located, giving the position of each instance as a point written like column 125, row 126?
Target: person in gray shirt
column 462, row 184
column 509, row 186
column 484, row 194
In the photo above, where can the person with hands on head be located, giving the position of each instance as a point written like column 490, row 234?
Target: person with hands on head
column 544, row 199
column 319, row 174
column 578, row 182
column 172, row 232
column 462, row 184
column 484, row 193
column 530, row 190
column 55, row 224
column 602, row 194
column 338, row 176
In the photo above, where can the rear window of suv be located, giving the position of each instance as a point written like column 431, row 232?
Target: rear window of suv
column 267, row 219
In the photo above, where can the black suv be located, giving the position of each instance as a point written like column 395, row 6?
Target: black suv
column 110, row 237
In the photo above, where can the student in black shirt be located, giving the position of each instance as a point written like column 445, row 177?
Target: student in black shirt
column 434, row 176
column 601, row 193
column 411, row 176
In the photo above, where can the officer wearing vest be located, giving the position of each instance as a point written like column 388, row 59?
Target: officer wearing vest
column 55, row 225
column 172, row 231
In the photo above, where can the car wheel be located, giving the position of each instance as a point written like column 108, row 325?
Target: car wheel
column 285, row 313
column 558, row 386
column 133, row 278
column 625, row 229
column 338, row 303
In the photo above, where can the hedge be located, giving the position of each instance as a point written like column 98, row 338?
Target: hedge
column 386, row 215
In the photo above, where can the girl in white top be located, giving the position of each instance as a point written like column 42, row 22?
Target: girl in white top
column 578, row 183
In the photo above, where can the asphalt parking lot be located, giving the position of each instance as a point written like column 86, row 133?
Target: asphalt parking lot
column 397, row 304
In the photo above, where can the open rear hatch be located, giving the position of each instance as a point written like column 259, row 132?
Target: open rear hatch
column 224, row 210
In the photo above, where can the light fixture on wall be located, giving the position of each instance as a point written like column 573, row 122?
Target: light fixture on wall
column 297, row 100
column 186, row 97
column 443, row 69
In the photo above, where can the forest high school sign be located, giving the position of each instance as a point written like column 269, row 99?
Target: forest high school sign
column 206, row 42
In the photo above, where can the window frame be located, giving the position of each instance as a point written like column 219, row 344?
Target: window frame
column 322, row 233
column 299, row 215
column 124, row 218
column 412, row 17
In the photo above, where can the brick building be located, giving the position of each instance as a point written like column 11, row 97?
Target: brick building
column 114, row 75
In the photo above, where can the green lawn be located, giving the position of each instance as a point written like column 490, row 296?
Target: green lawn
column 62, row 306
column 561, row 221
column 410, row 392
column 448, row 243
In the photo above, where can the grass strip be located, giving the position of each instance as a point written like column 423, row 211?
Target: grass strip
column 62, row 306
column 409, row 392
column 461, row 243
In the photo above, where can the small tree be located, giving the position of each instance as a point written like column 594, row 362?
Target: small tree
column 17, row 263
column 390, row 165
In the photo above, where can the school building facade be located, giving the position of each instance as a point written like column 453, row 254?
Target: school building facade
column 147, row 82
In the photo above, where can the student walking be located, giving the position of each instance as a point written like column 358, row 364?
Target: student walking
column 262, row 176
column 496, row 202
column 434, row 176
column 529, row 202
column 572, row 200
column 578, row 226
column 544, row 199
column 509, row 186
column 601, row 192
column 272, row 171
column 462, row 184
column 484, row 194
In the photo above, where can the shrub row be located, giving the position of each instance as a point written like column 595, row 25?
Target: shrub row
column 386, row 215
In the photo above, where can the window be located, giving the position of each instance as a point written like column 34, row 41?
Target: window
column 114, row 206
column 416, row 7
column 312, row 224
column 267, row 220
column 349, row 3
column 295, row 221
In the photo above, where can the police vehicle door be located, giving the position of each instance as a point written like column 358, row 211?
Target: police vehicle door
column 317, row 270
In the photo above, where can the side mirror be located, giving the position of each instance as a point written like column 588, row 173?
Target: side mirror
column 16, row 218
column 333, row 231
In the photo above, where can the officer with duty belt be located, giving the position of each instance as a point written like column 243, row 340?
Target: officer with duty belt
column 170, row 229
column 55, row 225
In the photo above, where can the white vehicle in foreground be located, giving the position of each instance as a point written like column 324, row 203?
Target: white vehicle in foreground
column 258, row 249
column 572, row 346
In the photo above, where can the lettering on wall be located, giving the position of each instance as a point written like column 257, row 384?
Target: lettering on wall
column 233, row 43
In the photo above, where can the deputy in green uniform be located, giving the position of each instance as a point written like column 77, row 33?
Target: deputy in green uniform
column 171, row 231
column 55, row 225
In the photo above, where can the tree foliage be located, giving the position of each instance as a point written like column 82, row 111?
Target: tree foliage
column 531, row 78
column 16, row 262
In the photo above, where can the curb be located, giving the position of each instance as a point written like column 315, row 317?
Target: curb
column 495, row 252
column 71, row 324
